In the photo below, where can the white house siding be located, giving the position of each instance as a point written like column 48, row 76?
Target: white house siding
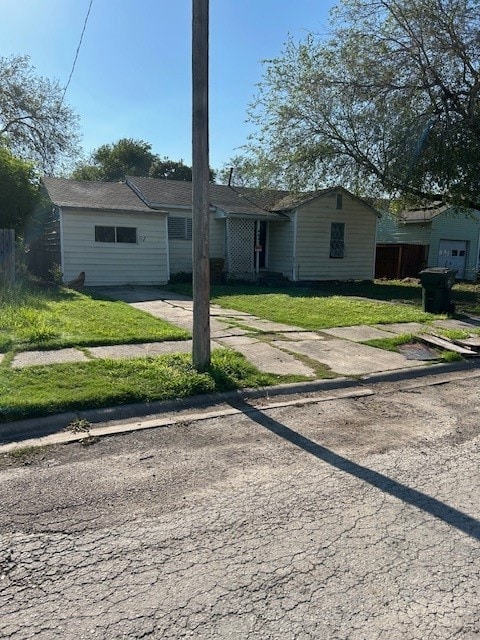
column 313, row 260
column 451, row 226
column 180, row 251
column 107, row 263
column 280, row 246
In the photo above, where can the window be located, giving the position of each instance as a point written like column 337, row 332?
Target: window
column 339, row 201
column 179, row 228
column 116, row 234
column 337, row 240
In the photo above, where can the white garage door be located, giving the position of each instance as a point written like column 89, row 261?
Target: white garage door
column 453, row 254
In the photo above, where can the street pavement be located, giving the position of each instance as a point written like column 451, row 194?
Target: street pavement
column 330, row 518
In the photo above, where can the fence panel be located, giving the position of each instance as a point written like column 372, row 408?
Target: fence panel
column 7, row 255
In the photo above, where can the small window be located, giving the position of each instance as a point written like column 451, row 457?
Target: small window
column 104, row 234
column 339, row 201
column 116, row 234
column 337, row 240
column 127, row 234
column 179, row 228
column 461, row 252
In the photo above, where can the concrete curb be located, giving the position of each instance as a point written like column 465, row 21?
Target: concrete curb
column 44, row 426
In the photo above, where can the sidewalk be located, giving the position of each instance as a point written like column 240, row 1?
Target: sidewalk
column 272, row 347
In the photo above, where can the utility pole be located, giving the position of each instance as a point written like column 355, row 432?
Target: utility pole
column 200, row 187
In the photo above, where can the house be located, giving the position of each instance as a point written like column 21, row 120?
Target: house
column 140, row 232
column 434, row 236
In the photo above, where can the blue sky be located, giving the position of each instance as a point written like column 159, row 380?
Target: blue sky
column 133, row 74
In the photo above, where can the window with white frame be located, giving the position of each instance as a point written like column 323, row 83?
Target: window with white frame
column 337, row 240
column 125, row 235
column 179, row 228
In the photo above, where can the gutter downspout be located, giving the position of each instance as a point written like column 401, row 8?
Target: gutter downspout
column 62, row 250
column 294, row 253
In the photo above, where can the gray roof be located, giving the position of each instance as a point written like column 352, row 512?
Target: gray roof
column 153, row 194
column 164, row 193
column 107, row 196
column 425, row 214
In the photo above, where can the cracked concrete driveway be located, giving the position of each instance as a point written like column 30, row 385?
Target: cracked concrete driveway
column 349, row 518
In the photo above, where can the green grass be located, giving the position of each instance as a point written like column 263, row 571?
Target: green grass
column 45, row 390
column 390, row 344
column 52, row 318
column 323, row 307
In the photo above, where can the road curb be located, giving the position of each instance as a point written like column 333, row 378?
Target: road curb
column 45, row 426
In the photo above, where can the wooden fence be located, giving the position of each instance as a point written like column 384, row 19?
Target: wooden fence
column 7, row 255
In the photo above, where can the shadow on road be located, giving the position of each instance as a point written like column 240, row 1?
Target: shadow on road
column 461, row 521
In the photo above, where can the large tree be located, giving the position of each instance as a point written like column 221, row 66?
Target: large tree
column 129, row 157
column 35, row 122
column 387, row 105
column 18, row 190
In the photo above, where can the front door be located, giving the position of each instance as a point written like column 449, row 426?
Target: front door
column 261, row 243
column 453, row 255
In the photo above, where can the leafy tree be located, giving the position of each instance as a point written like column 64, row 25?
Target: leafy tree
column 112, row 162
column 389, row 104
column 18, row 192
column 171, row 170
column 35, row 123
column 129, row 157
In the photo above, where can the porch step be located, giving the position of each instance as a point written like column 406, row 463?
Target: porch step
column 272, row 279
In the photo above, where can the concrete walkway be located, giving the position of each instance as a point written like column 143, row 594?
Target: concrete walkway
column 271, row 346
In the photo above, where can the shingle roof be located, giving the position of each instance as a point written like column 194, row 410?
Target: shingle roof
column 164, row 193
column 425, row 214
column 108, row 196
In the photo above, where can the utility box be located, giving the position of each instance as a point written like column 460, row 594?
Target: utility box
column 437, row 283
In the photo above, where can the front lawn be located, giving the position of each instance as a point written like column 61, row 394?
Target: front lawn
column 41, row 391
column 50, row 318
column 337, row 304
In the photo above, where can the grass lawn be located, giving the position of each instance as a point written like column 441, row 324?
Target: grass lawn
column 33, row 318
column 44, row 318
column 41, row 391
column 341, row 304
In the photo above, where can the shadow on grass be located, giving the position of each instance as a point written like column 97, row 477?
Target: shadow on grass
column 436, row 508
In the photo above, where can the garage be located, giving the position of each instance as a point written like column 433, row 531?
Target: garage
column 453, row 254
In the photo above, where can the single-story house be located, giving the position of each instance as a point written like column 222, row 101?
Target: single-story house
column 140, row 232
column 435, row 236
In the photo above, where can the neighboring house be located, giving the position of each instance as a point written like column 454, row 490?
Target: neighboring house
column 140, row 232
column 436, row 236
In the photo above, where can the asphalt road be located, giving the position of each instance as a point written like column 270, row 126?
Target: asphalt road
column 350, row 518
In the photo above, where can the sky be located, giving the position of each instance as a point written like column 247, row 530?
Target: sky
column 132, row 78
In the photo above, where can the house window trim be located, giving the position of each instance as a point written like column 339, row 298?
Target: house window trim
column 115, row 228
column 337, row 245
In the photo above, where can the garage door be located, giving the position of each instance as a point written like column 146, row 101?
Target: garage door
column 453, row 254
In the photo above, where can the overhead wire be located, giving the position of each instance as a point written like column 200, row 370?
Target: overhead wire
column 77, row 52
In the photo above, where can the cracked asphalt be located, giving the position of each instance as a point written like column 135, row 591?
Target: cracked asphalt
column 349, row 518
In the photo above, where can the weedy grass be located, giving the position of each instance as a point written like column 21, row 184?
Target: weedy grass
column 33, row 317
column 45, row 390
column 390, row 344
column 317, row 308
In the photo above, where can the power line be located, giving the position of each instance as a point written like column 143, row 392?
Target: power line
column 77, row 52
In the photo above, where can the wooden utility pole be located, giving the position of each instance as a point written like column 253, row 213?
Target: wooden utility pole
column 200, row 187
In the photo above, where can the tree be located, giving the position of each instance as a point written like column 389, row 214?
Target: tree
column 129, row 157
column 112, row 162
column 35, row 123
column 388, row 105
column 19, row 190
